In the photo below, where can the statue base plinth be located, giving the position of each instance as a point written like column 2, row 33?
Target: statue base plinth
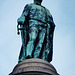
column 34, row 66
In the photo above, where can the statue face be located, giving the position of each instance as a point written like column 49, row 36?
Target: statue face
column 38, row 1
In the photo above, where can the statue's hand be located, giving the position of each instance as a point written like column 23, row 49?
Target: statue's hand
column 21, row 20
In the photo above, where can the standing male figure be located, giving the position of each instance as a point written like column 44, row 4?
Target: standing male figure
column 37, row 33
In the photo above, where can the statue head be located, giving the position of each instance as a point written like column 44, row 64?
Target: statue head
column 38, row 1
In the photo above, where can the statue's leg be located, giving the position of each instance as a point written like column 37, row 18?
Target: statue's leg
column 40, row 43
column 33, row 32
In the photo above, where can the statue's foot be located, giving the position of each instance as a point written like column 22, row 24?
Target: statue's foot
column 28, row 57
column 36, row 56
column 22, row 58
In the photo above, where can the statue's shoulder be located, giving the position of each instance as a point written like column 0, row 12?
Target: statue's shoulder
column 48, row 12
column 28, row 5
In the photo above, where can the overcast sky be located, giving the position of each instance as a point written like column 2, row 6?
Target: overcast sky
column 63, row 12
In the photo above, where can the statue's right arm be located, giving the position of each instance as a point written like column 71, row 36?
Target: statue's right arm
column 22, row 18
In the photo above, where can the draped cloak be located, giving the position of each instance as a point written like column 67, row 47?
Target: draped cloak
column 46, row 19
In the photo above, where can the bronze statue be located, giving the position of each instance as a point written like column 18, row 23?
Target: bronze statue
column 37, row 27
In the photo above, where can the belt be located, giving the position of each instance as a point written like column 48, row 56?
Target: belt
column 37, row 20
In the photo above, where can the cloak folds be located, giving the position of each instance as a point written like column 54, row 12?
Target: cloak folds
column 47, row 47
column 41, row 16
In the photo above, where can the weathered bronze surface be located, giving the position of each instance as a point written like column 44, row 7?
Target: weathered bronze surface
column 37, row 27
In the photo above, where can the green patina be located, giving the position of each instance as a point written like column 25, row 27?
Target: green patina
column 37, row 27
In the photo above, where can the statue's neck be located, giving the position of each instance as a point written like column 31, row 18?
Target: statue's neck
column 38, row 3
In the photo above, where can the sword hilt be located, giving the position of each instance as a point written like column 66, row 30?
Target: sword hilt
column 18, row 28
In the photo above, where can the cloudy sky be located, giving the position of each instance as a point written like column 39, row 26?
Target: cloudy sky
column 63, row 12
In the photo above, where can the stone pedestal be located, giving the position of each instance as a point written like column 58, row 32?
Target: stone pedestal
column 34, row 66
